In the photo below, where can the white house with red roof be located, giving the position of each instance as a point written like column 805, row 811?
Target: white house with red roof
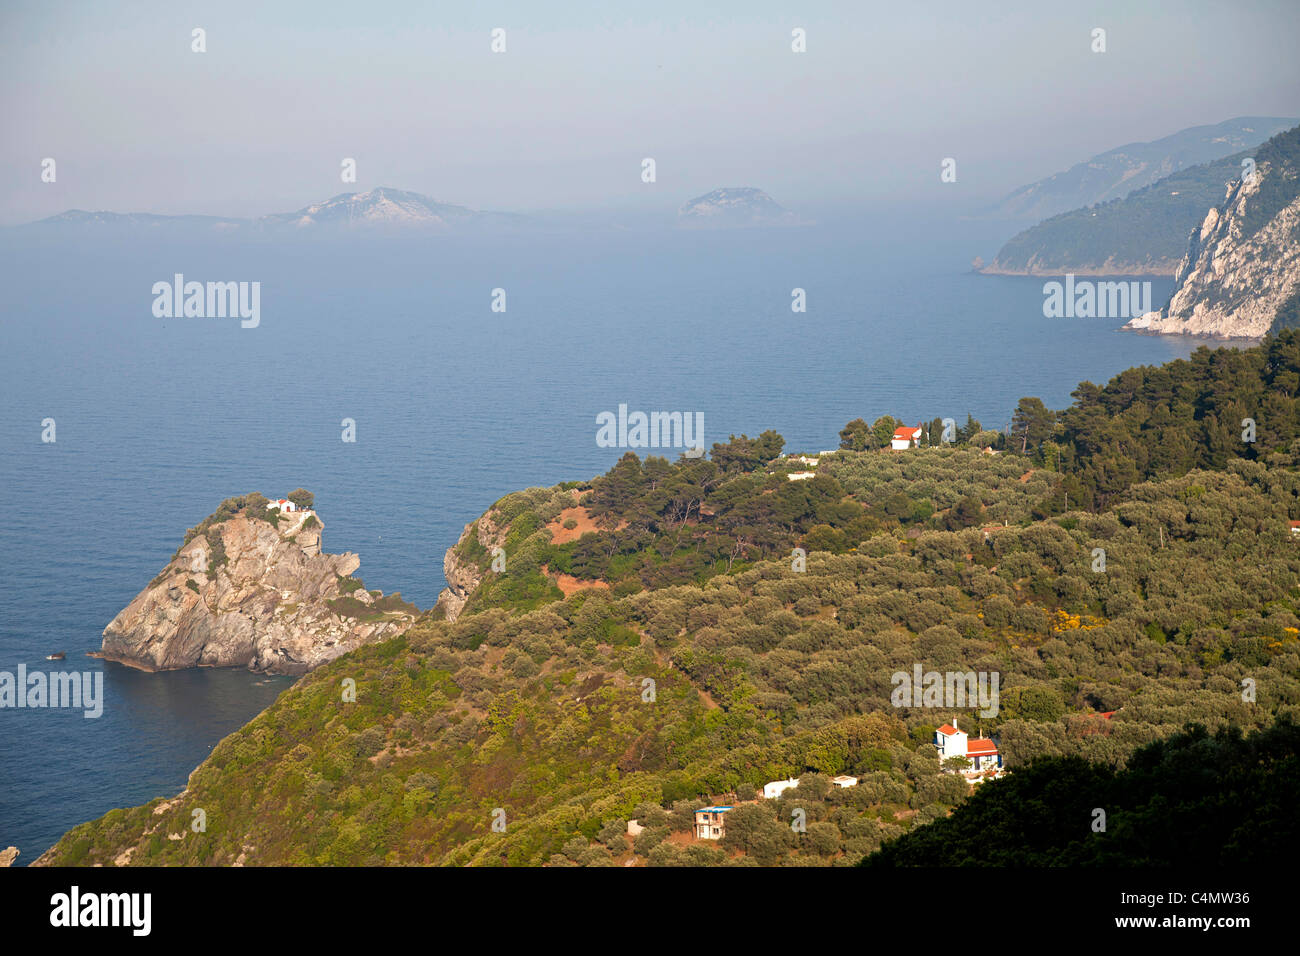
column 282, row 504
column 1295, row 529
column 905, row 436
column 981, row 751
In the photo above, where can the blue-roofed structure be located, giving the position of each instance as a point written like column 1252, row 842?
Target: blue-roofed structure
column 709, row 824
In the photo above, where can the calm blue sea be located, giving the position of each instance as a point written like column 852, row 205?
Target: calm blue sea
column 455, row 405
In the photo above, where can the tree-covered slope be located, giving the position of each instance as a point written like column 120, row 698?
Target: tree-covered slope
column 1144, row 233
column 1193, row 800
column 656, row 643
column 1115, row 173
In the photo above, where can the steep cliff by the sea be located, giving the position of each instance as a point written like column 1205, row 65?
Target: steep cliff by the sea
column 253, row 588
column 463, row 565
column 1242, row 268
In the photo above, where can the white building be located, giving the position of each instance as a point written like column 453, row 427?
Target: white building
column 843, row 781
column 801, row 475
column 981, row 751
column 905, row 437
column 283, row 504
column 777, row 787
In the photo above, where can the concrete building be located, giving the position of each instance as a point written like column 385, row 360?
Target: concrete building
column 710, row 823
column 777, row 787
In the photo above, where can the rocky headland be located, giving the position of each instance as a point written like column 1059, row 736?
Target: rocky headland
column 252, row 587
column 1240, row 277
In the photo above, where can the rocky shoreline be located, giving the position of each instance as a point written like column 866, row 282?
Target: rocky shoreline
column 1161, row 270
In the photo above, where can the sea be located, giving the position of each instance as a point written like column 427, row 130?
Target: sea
column 453, row 404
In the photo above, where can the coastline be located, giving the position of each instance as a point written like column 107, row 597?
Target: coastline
column 1246, row 340
column 104, row 656
column 1127, row 272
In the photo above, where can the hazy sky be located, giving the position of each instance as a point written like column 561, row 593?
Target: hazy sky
column 260, row 122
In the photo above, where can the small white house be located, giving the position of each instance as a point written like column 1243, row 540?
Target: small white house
column 777, row 787
column 844, row 782
column 801, row 475
column 983, row 754
column 981, row 751
column 905, row 437
column 282, row 504
column 950, row 741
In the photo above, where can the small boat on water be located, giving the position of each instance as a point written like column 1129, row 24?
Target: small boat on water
column 56, row 656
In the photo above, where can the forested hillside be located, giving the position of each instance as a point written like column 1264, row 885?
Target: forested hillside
column 1144, row 233
column 1116, row 173
column 1194, row 800
column 674, row 634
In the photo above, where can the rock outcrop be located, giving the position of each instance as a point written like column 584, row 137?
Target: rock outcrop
column 464, row 575
column 1243, row 264
column 243, row 591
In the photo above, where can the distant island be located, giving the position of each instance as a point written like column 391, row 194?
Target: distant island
column 380, row 208
column 734, row 207
column 388, row 210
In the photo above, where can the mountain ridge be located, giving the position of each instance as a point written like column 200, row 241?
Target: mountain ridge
column 1118, row 172
column 382, row 207
column 1145, row 233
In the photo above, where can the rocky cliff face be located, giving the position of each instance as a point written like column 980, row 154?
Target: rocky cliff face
column 248, row 593
column 463, row 575
column 1243, row 263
